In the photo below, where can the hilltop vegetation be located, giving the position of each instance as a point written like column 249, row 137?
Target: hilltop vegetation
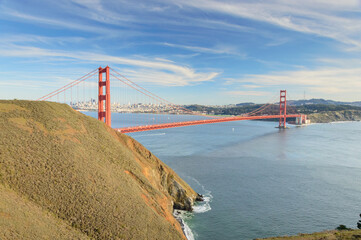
column 273, row 109
column 318, row 113
column 323, row 102
column 327, row 235
column 319, row 108
column 335, row 116
column 65, row 175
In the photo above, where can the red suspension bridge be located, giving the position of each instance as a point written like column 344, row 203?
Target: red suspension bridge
column 91, row 92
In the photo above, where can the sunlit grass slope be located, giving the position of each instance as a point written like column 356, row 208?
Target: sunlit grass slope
column 327, row 235
column 335, row 116
column 65, row 175
column 23, row 219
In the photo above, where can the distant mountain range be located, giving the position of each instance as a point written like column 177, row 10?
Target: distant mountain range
column 322, row 101
column 312, row 101
column 245, row 104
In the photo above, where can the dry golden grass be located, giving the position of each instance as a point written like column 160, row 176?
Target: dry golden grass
column 327, row 235
column 7, row 107
column 82, row 175
column 23, row 219
column 334, row 116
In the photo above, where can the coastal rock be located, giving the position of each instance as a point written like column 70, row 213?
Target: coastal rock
column 199, row 198
column 181, row 200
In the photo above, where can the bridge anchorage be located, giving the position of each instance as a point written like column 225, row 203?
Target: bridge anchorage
column 91, row 93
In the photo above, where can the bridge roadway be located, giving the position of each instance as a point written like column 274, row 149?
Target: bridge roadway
column 199, row 122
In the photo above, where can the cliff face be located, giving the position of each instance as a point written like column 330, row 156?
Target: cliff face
column 81, row 179
column 334, row 116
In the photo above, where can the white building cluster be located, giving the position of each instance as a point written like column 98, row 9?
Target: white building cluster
column 92, row 105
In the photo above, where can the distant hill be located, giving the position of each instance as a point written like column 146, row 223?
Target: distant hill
column 244, row 104
column 319, row 101
column 317, row 113
column 250, row 105
column 322, row 101
column 64, row 175
column 326, row 235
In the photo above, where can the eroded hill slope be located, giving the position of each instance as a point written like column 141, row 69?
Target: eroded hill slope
column 73, row 172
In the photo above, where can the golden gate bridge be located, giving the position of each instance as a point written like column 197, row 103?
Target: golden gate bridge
column 93, row 92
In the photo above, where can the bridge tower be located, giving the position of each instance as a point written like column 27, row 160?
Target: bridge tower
column 101, row 97
column 283, row 109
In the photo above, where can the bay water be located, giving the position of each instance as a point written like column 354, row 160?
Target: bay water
column 260, row 181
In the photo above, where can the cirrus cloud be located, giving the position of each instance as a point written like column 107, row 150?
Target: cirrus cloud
column 157, row 71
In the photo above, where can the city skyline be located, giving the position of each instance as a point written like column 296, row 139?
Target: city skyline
column 204, row 52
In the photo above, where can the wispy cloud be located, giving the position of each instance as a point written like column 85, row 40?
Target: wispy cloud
column 247, row 93
column 8, row 14
column 330, row 82
column 148, row 76
column 31, row 38
column 137, row 37
column 158, row 71
column 97, row 17
column 221, row 49
column 251, row 86
column 332, row 19
column 323, row 18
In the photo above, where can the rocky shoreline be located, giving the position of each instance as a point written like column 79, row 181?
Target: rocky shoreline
column 182, row 203
column 179, row 216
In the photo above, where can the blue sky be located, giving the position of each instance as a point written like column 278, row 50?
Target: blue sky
column 187, row 51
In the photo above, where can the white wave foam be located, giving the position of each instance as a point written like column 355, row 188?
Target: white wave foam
column 202, row 209
column 188, row 232
column 199, row 207
column 205, row 206
column 181, row 216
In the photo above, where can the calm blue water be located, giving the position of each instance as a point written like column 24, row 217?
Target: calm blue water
column 262, row 181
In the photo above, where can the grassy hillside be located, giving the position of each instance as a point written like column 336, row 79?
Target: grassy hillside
column 334, row 116
column 23, row 219
column 70, row 176
column 327, row 235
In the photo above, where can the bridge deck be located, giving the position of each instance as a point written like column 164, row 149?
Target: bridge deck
column 198, row 122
